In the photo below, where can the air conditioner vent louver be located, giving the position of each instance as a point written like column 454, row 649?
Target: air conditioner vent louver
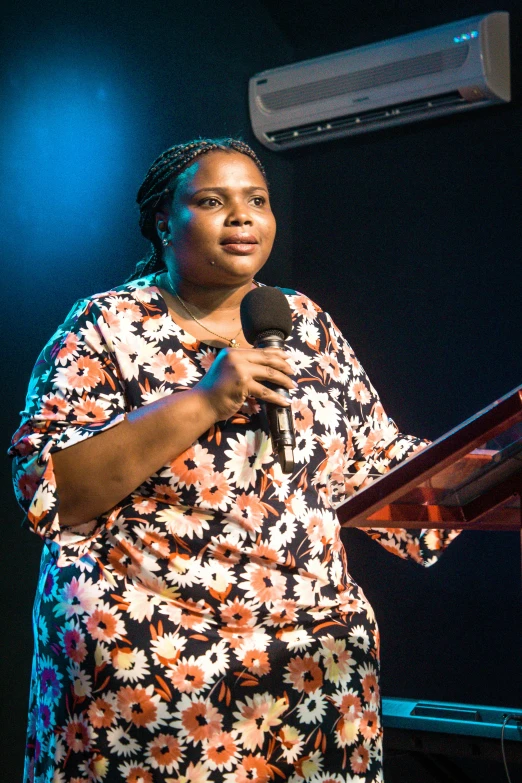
column 435, row 62
column 390, row 114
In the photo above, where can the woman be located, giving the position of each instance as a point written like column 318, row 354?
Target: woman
column 195, row 618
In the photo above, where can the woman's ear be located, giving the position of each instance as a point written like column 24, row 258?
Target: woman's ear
column 162, row 223
column 162, row 228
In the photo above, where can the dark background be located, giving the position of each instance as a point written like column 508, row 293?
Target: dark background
column 409, row 237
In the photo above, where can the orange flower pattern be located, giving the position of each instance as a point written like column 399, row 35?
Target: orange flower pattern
column 206, row 629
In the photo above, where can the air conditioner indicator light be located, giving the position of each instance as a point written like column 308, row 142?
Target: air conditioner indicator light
column 465, row 36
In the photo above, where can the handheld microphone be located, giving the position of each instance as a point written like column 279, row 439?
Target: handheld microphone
column 267, row 321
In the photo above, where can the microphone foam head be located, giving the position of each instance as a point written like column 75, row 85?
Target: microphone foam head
column 265, row 309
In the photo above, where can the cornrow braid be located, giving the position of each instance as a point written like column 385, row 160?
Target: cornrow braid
column 160, row 183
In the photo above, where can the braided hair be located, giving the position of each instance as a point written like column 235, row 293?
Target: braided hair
column 160, row 183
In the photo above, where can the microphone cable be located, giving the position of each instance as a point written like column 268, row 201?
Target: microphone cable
column 518, row 719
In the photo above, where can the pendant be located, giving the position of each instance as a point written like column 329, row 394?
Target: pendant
column 233, row 343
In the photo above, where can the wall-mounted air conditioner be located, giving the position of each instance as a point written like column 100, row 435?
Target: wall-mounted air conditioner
column 455, row 67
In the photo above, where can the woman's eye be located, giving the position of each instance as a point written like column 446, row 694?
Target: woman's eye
column 259, row 201
column 210, row 201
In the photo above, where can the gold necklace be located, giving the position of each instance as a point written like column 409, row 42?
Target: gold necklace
column 231, row 341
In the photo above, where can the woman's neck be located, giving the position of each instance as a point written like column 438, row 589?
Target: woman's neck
column 214, row 320
column 222, row 302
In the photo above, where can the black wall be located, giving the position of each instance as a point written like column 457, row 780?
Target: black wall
column 409, row 237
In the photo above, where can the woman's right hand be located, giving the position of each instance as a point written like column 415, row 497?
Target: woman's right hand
column 238, row 373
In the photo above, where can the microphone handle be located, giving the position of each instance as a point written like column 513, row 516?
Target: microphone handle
column 280, row 419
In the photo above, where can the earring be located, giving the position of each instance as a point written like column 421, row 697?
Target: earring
column 165, row 242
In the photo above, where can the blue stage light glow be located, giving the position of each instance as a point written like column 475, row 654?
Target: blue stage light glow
column 64, row 149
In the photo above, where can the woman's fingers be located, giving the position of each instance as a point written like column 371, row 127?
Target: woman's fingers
column 273, row 376
column 273, row 357
column 265, row 394
column 240, row 373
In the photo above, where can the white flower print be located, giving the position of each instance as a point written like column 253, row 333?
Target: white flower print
column 167, row 648
column 191, row 467
column 304, row 446
column 309, row 333
column 358, row 391
column 310, row 581
column 292, row 742
column 321, row 528
column 283, row 530
column 159, row 327
column 312, row 708
column 216, row 660
column 216, row 576
column 297, row 639
column 121, row 742
column 81, row 682
column 78, row 597
column 246, row 456
column 126, row 307
column 95, row 336
column 130, row 665
column 298, row 360
column 297, row 503
column 184, row 522
column 256, row 716
column 156, row 394
column 358, row 637
column 280, row 482
column 329, row 363
column 324, row 408
column 337, row 660
column 140, row 602
column 43, row 501
column 214, row 491
column 133, row 354
column 206, row 357
column 184, row 571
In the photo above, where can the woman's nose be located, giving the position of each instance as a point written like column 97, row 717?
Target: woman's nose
column 239, row 215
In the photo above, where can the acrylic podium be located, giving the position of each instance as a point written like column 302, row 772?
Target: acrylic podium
column 470, row 478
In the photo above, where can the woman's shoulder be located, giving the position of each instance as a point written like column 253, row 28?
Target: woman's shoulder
column 315, row 326
column 303, row 306
column 142, row 289
column 137, row 291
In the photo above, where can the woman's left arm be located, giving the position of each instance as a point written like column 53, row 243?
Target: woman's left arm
column 376, row 447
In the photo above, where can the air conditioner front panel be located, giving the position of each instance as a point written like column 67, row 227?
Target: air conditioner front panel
column 368, row 78
column 464, row 58
column 390, row 52
column 399, row 92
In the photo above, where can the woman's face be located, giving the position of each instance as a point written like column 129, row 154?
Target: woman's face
column 220, row 224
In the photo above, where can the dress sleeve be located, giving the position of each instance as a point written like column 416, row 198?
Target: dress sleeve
column 75, row 392
column 374, row 447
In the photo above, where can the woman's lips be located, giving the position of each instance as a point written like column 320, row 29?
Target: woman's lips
column 240, row 244
column 240, row 248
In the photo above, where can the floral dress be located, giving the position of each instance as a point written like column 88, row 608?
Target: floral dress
column 206, row 628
